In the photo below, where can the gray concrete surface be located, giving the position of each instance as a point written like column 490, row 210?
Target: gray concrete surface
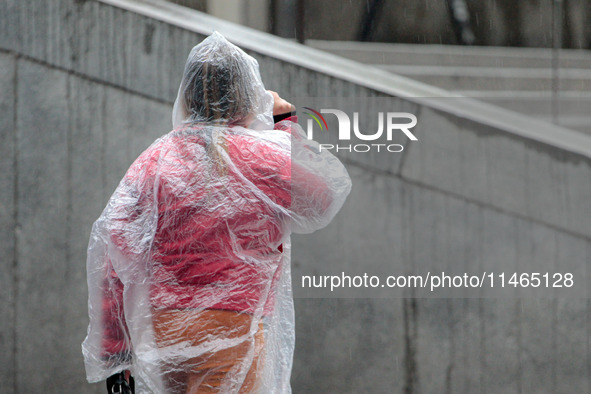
column 88, row 85
column 7, row 220
column 75, row 139
column 494, row 78
column 386, row 53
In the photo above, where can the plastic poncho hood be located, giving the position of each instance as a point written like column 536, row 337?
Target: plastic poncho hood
column 188, row 265
column 221, row 83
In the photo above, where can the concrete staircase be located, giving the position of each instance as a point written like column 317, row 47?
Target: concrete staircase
column 519, row 79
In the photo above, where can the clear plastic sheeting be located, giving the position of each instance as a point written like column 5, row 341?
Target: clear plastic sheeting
column 189, row 263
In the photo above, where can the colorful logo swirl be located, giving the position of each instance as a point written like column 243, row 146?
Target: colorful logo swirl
column 316, row 115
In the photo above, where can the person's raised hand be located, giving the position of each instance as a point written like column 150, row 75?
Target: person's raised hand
column 280, row 106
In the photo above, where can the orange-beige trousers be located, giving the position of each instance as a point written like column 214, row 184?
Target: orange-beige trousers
column 206, row 373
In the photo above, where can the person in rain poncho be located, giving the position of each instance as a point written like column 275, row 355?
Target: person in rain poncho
column 189, row 263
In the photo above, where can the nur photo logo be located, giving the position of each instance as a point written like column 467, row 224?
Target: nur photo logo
column 389, row 123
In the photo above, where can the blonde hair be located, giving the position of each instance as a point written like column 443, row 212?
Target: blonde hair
column 219, row 90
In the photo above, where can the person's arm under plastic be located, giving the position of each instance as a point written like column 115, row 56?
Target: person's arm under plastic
column 318, row 181
column 126, row 224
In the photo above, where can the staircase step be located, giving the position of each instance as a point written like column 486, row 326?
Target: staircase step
column 489, row 78
column 450, row 55
column 540, row 108
column 518, row 79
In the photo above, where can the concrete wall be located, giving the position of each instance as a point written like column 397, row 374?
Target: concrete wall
column 66, row 142
column 87, row 85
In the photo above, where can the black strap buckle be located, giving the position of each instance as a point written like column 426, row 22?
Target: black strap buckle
column 117, row 384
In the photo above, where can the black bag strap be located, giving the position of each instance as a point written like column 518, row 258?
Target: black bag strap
column 117, row 384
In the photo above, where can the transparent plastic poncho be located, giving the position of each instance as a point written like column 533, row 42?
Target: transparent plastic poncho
column 189, row 263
